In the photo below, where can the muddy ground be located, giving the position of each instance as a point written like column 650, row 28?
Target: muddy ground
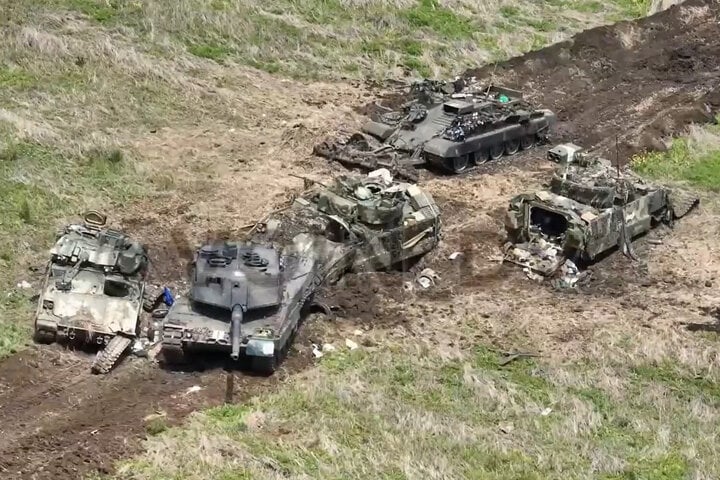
column 640, row 80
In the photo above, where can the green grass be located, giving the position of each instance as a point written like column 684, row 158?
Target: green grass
column 330, row 38
column 687, row 160
column 389, row 415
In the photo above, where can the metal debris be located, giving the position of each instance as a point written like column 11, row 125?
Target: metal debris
column 427, row 278
column 511, row 357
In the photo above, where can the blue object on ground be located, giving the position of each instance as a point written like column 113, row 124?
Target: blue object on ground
column 168, row 297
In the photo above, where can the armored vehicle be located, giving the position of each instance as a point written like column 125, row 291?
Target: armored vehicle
column 93, row 290
column 454, row 131
column 589, row 208
column 245, row 298
column 386, row 224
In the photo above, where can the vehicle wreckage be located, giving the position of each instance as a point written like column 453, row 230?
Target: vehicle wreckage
column 93, row 290
column 452, row 128
column 249, row 298
column 589, row 208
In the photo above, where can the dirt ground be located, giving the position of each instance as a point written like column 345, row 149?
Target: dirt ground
column 640, row 80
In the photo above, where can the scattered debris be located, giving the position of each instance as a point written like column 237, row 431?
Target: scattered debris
column 654, row 241
column 454, row 255
column 547, row 411
column 328, row 347
column 358, row 332
column 568, row 276
column 317, row 353
column 350, row 344
column 24, row 285
column 507, row 428
column 140, row 347
column 193, row 389
column 427, row 278
column 511, row 357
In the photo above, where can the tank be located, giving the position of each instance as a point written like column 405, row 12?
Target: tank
column 385, row 224
column 93, row 290
column 246, row 299
column 453, row 131
column 589, row 208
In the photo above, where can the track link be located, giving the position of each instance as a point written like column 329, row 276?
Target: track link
column 107, row 357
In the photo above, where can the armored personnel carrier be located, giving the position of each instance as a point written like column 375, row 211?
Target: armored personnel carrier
column 454, row 131
column 386, row 224
column 246, row 298
column 589, row 208
column 93, row 290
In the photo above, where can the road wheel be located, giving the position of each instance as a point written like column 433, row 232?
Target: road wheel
column 481, row 157
column 512, row 147
column 264, row 365
column 43, row 336
column 496, row 151
column 527, row 142
column 458, row 164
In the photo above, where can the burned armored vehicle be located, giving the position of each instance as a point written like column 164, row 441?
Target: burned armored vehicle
column 246, row 299
column 590, row 207
column 93, row 290
column 384, row 223
column 454, row 132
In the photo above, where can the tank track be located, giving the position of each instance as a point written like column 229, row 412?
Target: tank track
column 681, row 203
column 108, row 356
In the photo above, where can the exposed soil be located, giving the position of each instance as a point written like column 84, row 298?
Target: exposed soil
column 642, row 81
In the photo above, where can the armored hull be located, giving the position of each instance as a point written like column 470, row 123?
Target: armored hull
column 454, row 131
column 385, row 224
column 93, row 290
column 590, row 208
column 247, row 300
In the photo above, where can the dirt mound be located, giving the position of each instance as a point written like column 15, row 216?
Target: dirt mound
column 642, row 81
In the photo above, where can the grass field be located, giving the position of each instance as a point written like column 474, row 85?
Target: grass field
column 694, row 159
column 632, row 408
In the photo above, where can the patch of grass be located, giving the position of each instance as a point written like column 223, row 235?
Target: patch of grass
column 105, row 11
column 16, row 78
column 156, row 426
column 441, row 20
column 212, row 51
column 332, row 38
column 686, row 161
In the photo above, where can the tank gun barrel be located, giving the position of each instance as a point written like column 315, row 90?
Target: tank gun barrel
column 307, row 179
column 235, row 326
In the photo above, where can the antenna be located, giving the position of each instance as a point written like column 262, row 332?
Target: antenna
column 617, row 156
column 492, row 77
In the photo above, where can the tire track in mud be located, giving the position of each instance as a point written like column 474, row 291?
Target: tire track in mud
column 60, row 421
